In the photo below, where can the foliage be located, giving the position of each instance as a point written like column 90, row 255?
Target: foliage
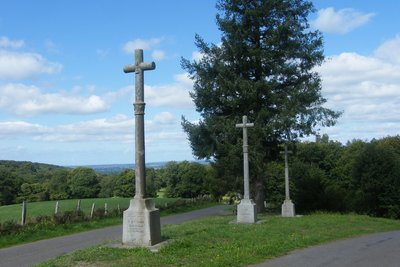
column 124, row 184
column 8, row 186
column 275, row 186
column 263, row 68
column 33, row 192
column 376, row 176
column 83, row 183
column 324, row 175
column 151, row 182
column 185, row 179
column 58, row 185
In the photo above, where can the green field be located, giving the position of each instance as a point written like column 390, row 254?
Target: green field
column 13, row 212
column 215, row 241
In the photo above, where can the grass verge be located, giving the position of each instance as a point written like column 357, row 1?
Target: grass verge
column 215, row 242
column 48, row 230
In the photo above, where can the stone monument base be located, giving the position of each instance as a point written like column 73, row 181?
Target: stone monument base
column 246, row 211
column 141, row 223
column 288, row 208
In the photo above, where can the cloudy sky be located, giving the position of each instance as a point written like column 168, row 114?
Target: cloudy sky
column 65, row 100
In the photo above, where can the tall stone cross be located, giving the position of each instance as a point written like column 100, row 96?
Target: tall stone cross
column 245, row 125
column 141, row 221
column 246, row 210
column 287, row 206
column 286, row 152
column 139, row 67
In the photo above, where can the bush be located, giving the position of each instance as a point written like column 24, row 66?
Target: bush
column 69, row 217
column 9, row 227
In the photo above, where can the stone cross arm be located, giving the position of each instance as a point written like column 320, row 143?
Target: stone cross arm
column 139, row 67
column 244, row 123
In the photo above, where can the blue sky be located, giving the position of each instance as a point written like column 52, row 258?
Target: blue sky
column 65, row 100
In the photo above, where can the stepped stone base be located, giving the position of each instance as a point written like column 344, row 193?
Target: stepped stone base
column 288, row 208
column 246, row 211
column 141, row 224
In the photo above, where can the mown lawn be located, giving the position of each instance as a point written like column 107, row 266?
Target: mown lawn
column 216, row 242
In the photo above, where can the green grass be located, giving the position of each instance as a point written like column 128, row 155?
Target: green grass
column 215, row 242
column 13, row 212
column 49, row 230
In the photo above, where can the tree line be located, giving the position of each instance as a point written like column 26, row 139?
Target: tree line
column 40, row 182
column 362, row 177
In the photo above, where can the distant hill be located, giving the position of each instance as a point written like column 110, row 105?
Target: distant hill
column 116, row 168
column 29, row 171
column 31, row 165
column 34, row 170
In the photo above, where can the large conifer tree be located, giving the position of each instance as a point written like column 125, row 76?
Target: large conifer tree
column 263, row 68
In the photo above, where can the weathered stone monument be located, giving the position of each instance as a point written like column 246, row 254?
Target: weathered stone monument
column 246, row 210
column 287, row 206
column 141, row 221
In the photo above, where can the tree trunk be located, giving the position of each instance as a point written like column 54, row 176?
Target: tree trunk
column 259, row 196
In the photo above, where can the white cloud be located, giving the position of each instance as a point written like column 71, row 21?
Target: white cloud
column 164, row 118
column 149, row 44
column 197, row 56
column 119, row 128
column 390, row 50
column 367, row 89
column 171, row 95
column 26, row 100
column 158, row 55
column 7, row 43
column 13, row 128
column 15, row 66
column 174, row 95
column 341, row 21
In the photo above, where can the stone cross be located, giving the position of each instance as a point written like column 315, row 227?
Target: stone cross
column 286, row 152
column 287, row 206
column 245, row 125
column 141, row 221
column 139, row 67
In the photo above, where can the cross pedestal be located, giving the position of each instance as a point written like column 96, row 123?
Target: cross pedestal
column 287, row 206
column 246, row 210
column 141, row 221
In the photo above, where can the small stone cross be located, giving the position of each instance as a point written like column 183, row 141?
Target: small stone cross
column 245, row 125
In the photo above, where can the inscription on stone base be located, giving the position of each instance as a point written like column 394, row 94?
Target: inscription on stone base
column 288, row 208
column 141, row 223
column 246, row 211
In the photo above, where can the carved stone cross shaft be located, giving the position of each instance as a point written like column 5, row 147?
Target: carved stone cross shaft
column 286, row 152
column 139, row 67
column 245, row 125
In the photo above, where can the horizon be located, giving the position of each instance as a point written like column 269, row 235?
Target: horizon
column 64, row 99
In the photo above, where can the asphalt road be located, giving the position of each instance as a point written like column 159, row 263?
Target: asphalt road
column 39, row 251
column 375, row 250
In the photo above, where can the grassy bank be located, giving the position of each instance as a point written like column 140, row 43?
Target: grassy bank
column 215, row 242
column 49, row 229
